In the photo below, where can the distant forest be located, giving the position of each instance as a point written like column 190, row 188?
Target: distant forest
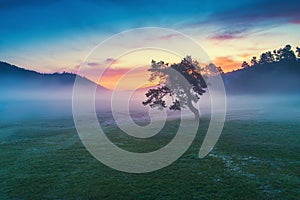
column 276, row 71
column 282, row 55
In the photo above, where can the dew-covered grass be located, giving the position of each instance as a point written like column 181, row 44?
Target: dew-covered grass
column 45, row 159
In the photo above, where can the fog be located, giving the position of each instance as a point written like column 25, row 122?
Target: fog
column 264, row 107
column 39, row 103
column 31, row 105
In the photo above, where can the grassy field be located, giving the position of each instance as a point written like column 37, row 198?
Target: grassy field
column 252, row 160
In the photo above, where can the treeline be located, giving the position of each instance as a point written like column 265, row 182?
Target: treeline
column 282, row 55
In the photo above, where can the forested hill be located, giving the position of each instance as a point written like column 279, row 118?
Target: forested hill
column 266, row 78
column 274, row 72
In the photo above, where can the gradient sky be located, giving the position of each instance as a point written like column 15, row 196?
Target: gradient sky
column 57, row 35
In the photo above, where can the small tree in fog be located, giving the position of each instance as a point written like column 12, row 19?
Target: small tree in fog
column 182, row 93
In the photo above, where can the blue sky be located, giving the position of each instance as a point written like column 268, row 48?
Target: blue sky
column 55, row 35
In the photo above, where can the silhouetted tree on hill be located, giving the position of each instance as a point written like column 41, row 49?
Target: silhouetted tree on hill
column 245, row 65
column 212, row 70
column 182, row 92
column 220, row 70
column 254, row 61
column 276, row 55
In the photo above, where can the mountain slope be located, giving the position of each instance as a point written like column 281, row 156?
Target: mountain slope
column 13, row 77
column 279, row 77
column 28, row 94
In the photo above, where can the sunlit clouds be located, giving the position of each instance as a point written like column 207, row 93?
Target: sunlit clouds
column 59, row 36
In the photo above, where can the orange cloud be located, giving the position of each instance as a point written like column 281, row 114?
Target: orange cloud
column 111, row 76
column 245, row 55
column 227, row 63
column 124, row 78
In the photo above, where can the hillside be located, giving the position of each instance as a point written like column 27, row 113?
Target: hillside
column 22, row 82
column 271, row 78
column 12, row 76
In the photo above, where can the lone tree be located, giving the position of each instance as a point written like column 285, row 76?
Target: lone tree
column 182, row 82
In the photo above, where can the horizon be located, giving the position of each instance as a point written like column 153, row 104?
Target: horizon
column 113, row 82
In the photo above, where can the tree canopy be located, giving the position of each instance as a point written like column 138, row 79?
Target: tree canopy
column 181, row 82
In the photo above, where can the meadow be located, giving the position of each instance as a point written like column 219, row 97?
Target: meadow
column 254, row 159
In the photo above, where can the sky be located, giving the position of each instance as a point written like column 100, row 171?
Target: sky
column 58, row 35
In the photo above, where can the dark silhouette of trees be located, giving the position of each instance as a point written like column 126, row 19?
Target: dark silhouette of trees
column 270, row 57
column 285, row 54
column 220, row 70
column 263, row 59
column 254, row 61
column 266, row 58
column 182, row 82
column 212, row 70
column 245, row 65
column 298, row 52
column 276, row 55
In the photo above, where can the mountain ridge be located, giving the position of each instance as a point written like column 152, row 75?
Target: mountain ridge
column 9, row 74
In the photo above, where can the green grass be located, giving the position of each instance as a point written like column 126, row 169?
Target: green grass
column 252, row 160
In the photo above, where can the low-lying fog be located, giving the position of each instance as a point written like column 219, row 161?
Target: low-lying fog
column 58, row 104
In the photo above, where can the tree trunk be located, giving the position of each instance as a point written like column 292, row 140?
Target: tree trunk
column 193, row 109
column 190, row 104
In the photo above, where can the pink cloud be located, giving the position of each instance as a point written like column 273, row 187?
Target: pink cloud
column 295, row 21
column 110, row 60
column 224, row 37
column 169, row 36
column 94, row 64
column 102, row 64
column 227, row 35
